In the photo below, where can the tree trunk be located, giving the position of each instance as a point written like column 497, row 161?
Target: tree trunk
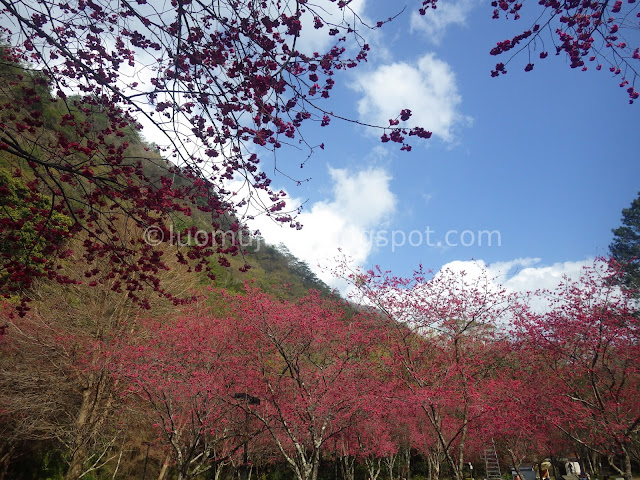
column 590, row 463
column 96, row 401
column 78, row 457
column 515, row 462
column 165, row 465
column 390, row 461
column 627, row 466
column 6, row 460
column 459, row 473
column 406, row 462
column 554, row 470
column 79, row 449
column 434, row 466
column 315, row 466
column 625, row 471
column 374, row 466
column 347, row 466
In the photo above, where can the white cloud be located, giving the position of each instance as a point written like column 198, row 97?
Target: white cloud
column 545, row 277
column 428, row 88
column 519, row 277
column 360, row 202
column 435, row 23
column 523, row 275
column 364, row 198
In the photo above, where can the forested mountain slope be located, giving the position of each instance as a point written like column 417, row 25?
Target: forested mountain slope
column 66, row 177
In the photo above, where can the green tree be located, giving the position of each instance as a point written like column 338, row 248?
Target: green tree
column 625, row 247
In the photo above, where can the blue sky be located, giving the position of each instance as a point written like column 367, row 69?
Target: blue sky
column 547, row 158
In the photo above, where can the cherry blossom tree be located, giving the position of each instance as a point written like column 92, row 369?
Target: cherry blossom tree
column 603, row 34
column 215, row 377
column 378, row 435
column 173, row 368
column 600, row 34
column 446, row 345
column 588, row 344
column 220, row 87
column 309, row 364
column 517, row 410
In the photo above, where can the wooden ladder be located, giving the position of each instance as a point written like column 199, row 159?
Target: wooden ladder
column 491, row 464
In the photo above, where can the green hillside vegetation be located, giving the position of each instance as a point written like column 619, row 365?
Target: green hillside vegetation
column 271, row 268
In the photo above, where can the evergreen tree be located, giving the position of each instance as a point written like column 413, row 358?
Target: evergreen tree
column 625, row 247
